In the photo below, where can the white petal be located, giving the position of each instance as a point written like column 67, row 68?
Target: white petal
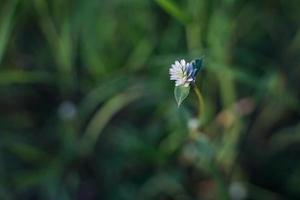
column 182, row 62
column 178, row 83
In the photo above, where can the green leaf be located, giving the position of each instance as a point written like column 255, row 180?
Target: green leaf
column 6, row 24
column 181, row 93
column 172, row 9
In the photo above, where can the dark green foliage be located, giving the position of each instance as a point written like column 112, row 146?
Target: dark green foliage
column 87, row 109
column 198, row 64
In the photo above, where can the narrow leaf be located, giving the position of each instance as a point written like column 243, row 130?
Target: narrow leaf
column 181, row 93
column 172, row 9
column 6, row 24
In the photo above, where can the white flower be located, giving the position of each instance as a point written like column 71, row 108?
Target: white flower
column 183, row 73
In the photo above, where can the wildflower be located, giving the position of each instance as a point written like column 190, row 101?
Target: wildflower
column 183, row 73
column 67, row 110
column 238, row 191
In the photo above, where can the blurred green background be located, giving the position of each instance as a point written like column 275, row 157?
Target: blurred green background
column 87, row 107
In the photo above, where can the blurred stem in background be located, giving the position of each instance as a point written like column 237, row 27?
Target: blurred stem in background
column 194, row 28
column 6, row 24
column 102, row 117
column 220, row 181
column 175, row 11
column 61, row 42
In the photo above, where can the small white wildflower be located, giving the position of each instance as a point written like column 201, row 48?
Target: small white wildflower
column 238, row 191
column 67, row 110
column 183, row 73
column 193, row 124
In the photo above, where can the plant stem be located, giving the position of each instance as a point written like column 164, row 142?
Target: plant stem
column 200, row 101
column 217, row 175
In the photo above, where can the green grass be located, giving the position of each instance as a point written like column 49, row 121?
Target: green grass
column 87, row 107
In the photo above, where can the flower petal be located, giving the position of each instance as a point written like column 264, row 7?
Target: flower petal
column 182, row 62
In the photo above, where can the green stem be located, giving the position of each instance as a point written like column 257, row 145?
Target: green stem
column 200, row 101
column 217, row 175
